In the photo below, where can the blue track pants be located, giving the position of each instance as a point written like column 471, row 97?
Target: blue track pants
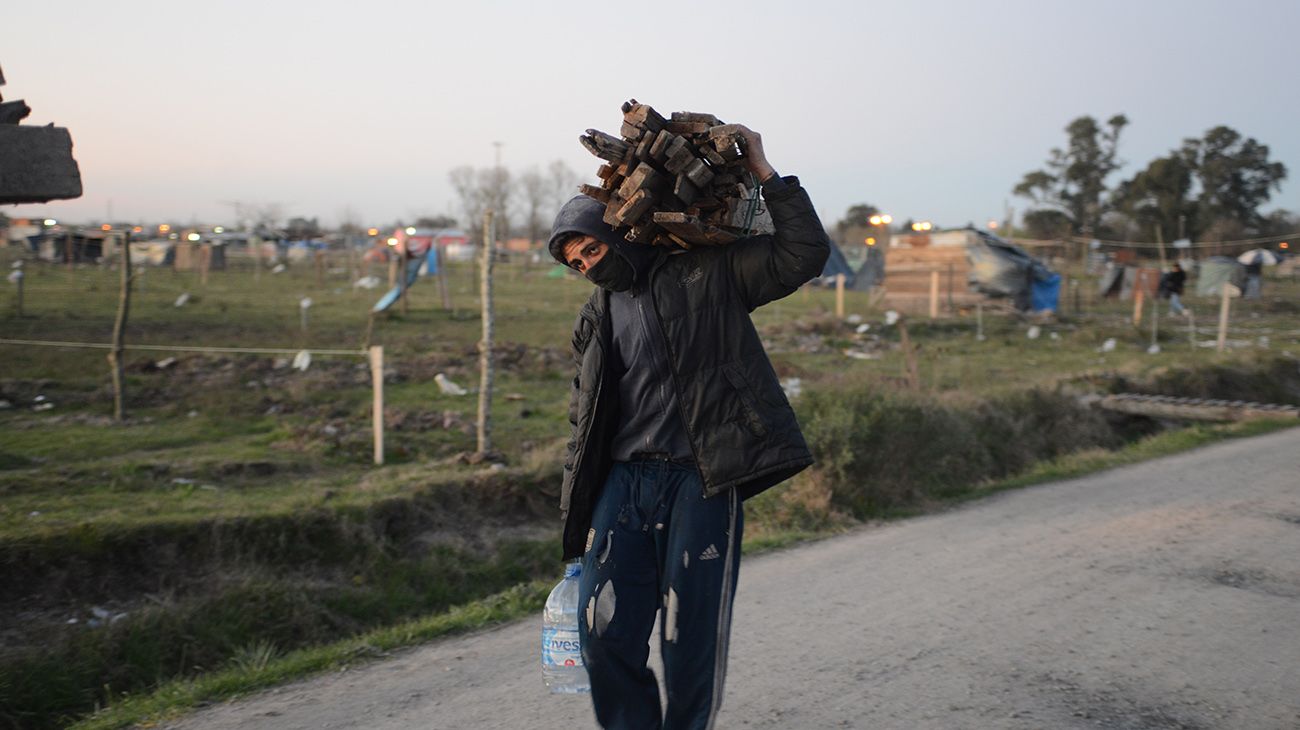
column 658, row 546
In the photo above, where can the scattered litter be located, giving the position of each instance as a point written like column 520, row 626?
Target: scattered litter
column 279, row 269
column 366, row 282
column 15, row 276
column 34, row 513
column 862, row 355
column 165, row 363
column 863, row 329
column 117, row 617
column 182, row 480
column 853, row 319
column 305, row 302
column 72, row 620
column 279, row 363
column 496, row 466
column 17, row 264
column 891, row 317
column 448, row 387
column 302, row 360
column 1263, row 341
column 1033, row 332
column 330, row 430
column 1108, row 345
column 99, row 613
column 42, row 406
column 793, row 387
column 5, row 405
column 38, row 399
column 182, row 300
column 1154, row 349
column 192, row 414
column 1054, row 335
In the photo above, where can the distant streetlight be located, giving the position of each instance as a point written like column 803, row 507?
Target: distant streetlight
column 993, row 225
column 193, row 237
column 1284, row 245
column 392, row 242
column 871, row 241
column 372, row 232
column 51, row 222
column 922, row 226
column 410, row 230
column 218, row 229
column 106, row 227
column 164, row 228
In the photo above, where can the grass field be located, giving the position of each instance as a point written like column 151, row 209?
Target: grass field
column 236, row 514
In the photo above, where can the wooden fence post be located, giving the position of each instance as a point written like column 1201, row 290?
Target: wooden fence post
column 1225, row 304
column 934, row 294
column 119, row 330
column 485, row 345
column 839, row 296
column 377, row 408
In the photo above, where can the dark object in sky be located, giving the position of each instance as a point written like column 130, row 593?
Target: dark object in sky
column 999, row 268
column 36, row 163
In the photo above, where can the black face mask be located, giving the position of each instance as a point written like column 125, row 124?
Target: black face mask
column 612, row 272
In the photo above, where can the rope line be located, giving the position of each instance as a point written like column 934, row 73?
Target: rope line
column 184, row 348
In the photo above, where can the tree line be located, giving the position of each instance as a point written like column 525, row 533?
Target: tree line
column 1209, row 188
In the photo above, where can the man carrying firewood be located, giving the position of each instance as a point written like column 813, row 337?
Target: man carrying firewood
column 677, row 417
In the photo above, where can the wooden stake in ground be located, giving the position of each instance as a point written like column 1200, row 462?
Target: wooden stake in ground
column 839, row 296
column 377, row 405
column 205, row 263
column 909, row 356
column 1137, row 306
column 119, row 330
column 406, row 265
column 485, row 344
column 934, row 294
column 1225, row 304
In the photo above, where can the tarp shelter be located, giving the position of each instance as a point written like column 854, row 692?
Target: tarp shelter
column 1002, row 269
column 836, row 264
column 1216, row 270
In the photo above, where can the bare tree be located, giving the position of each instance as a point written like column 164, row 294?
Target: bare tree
column 536, row 193
column 480, row 189
column 563, row 183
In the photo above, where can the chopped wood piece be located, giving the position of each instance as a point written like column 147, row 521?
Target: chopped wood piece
column 592, row 191
column 630, row 132
column 634, row 208
column 685, row 190
column 708, row 119
column 644, row 116
column 699, row 173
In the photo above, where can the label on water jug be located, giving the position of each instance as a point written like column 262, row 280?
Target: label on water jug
column 560, row 647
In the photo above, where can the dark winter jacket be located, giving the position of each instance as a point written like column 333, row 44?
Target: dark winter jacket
column 740, row 426
column 1172, row 282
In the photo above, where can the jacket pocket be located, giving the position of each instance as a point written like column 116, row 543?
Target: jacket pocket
column 749, row 410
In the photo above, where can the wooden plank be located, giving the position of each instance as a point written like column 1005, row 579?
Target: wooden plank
column 642, row 178
column 36, row 165
column 660, row 146
column 679, row 160
column 708, row 119
column 685, row 190
column 636, row 206
column 687, row 127
column 592, row 191
column 631, row 132
column 645, row 117
column 699, row 173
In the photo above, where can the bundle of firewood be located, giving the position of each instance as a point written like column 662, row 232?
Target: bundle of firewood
column 679, row 181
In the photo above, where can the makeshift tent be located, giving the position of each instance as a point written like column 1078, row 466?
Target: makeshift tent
column 1002, row 269
column 836, row 264
column 1216, row 270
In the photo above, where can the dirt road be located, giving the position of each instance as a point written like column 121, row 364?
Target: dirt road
column 1163, row 595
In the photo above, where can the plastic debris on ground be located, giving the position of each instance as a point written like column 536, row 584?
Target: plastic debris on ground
column 863, row 329
column 182, row 300
column 793, row 387
column 279, row 269
column 1108, row 345
column 1034, row 332
column 366, row 282
column 302, row 360
column 891, row 317
column 448, row 387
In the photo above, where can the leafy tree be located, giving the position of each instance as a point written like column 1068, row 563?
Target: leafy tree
column 1235, row 176
column 1160, row 197
column 435, row 221
column 1046, row 223
column 1074, row 179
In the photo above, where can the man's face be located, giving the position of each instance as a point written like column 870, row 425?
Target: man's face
column 583, row 252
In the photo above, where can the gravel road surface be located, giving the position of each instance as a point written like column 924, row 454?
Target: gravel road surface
column 1164, row 595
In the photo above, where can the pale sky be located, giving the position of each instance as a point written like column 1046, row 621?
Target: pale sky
column 928, row 109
